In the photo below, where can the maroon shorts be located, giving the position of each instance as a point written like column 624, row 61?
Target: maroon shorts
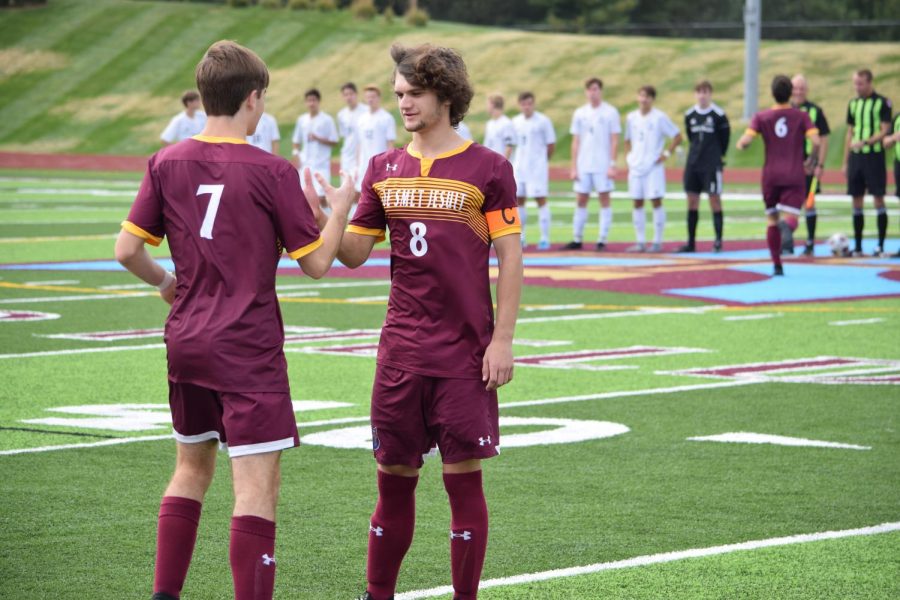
column 789, row 198
column 411, row 413
column 249, row 423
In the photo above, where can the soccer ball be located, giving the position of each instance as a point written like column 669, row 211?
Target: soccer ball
column 839, row 244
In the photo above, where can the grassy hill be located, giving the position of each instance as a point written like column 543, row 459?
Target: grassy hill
column 104, row 76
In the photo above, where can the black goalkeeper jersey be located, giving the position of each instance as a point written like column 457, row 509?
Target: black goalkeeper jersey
column 708, row 131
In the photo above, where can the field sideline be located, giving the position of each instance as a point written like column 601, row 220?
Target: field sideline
column 678, row 427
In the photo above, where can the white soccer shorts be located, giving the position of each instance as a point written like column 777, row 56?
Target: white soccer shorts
column 592, row 182
column 532, row 186
column 649, row 185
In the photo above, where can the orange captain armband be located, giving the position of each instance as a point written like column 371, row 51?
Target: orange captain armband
column 503, row 222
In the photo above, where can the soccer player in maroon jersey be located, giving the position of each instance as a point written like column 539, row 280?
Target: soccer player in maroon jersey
column 442, row 355
column 228, row 209
column 784, row 131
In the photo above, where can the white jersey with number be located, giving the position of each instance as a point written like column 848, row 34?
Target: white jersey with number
column 375, row 131
column 499, row 134
column 464, row 132
column 647, row 134
column 182, row 127
column 315, row 154
column 594, row 126
column 266, row 133
column 348, row 129
column 533, row 135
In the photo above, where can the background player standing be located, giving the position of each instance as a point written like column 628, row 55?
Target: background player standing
column 784, row 131
column 595, row 133
column 314, row 135
column 499, row 133
column 266, row 137
column 646, row 130
column 376, row 129
column 441, row 356
column 227, row 208
column 893, row 141
column 868, row 121
column 347, row 121
column 187, row 123
column 813, row 163
column 708, row 130
column 535, row 141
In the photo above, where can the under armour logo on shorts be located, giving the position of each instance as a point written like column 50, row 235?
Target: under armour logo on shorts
column 484, row 441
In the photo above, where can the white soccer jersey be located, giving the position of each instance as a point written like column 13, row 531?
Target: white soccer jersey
column 182, row 127
column 463, row 130
column 594, row 126
column 313, row 154
column 647, row 134
column 499, row 133
column 375, row 130
column 266, row 133
column 532, row 138
column 348, row 128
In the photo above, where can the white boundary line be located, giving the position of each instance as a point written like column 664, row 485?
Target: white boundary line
column 664, row 557
column 82, row 351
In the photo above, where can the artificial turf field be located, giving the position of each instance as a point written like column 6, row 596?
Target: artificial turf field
column 623, row 361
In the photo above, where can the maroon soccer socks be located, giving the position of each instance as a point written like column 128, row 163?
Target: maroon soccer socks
column 390, row 532
column 468, row 531
column 175, row 538
column 252, row 556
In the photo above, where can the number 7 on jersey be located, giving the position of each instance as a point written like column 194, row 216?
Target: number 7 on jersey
column 215, row 192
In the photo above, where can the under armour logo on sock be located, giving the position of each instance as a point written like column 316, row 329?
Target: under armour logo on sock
column 268, row 560
column 465, row 535
column 378, row 531
column 484, row 441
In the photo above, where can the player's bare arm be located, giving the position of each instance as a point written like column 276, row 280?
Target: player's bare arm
column 676, row 141
column 497, row 367
column 550, row 149
column 744, row 142
column 316, row 263
column 848, row 140
column 132, row 254
column 612, row 171
column 576, row 142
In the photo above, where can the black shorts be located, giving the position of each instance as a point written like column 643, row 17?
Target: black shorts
column 866, row 172
column 703, row 180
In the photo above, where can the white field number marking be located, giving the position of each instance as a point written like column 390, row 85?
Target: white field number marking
column 560, row 431
column 215, row 192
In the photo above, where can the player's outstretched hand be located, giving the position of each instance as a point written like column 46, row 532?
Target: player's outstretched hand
column 339, row 198
column 312, row 197
column 497, row 366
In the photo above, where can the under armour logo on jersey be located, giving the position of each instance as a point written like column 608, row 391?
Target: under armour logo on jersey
column 390, row 167
column 484, row 441
column 378, row 531
column 465, row 535
column 268, row 560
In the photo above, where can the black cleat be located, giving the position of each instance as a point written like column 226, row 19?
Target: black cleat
column 809, row 249
column 717, row 246
column 368, row 596
column 163, row 596
column 787, row 238
column 601, row 246
column 778, row 272
column 573, row 245
column 686, row 249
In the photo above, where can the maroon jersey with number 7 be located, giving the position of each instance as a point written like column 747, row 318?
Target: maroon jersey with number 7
column 227, row 208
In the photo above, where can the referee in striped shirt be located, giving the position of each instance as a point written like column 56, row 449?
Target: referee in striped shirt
column 868, row 122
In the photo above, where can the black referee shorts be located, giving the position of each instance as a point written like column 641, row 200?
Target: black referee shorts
column 897, row 175
column 704, row 180
column 866, row 172
column 809, row 179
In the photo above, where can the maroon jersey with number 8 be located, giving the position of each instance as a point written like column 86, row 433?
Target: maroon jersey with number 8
column 227, row 208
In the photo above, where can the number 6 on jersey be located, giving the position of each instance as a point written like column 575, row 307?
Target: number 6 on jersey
column 215, row 192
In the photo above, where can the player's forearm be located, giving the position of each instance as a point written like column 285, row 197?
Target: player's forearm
column 550, row 149
column 676, row 141
column 744, row 142
column 276, row 147
column 613, row 148
column 509, row 293
column 574, row 151
column 848, row 138
column 317, row 263
column 131, row 254
column 355, row 249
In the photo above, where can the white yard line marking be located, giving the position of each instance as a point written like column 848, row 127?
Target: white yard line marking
column 57, row 238
column 368, row 299
column 753, row 317
column 125, row 286
column 307, row 294
column 664, row 557
column 82, row 351
column 856, row 322
column 339, row 284
column 76, row 298
column 745, row 437
column 554, row 307
column 637, row 312
column 57, row 282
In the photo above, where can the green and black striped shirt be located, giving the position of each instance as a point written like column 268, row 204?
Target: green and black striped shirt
column 866, row 115
column 896, row 129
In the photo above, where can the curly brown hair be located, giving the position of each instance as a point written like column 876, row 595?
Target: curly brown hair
column 439, row 69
